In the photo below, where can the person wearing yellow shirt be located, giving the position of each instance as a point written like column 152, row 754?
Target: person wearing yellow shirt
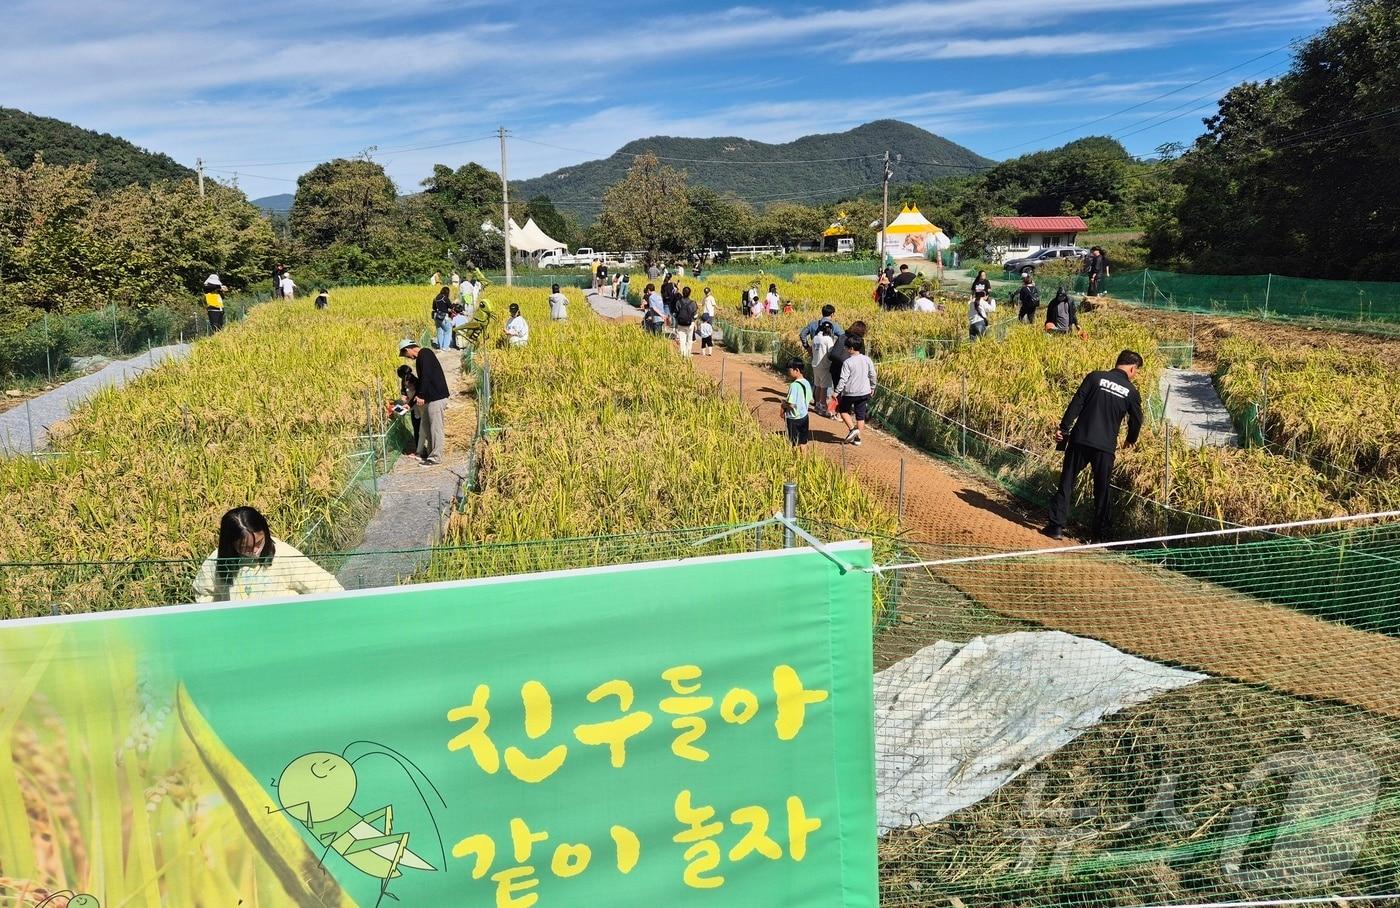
column 250, row 564
column 214, row 302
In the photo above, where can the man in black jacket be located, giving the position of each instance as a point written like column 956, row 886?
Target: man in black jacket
column 431, row 402
column 1088, row 434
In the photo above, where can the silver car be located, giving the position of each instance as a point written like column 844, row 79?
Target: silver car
column 1028, row 264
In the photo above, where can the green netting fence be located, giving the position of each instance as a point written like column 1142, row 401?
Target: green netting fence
column 45, row 345
column 1273, row 773
column 1372, row 303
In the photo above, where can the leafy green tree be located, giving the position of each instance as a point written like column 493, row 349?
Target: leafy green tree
column 1297, row 175
column 456, row 204
column 49, row 254
column 551, row 220
column 343, row 201
column 648, row 209
column 790, row 223
column 719, row 220
column 170, row 234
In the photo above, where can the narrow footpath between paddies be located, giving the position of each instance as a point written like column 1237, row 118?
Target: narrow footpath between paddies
column 1144, row 610
column 24, row 429
column 414, row 500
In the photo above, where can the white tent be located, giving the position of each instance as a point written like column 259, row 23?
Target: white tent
column 532, row 239
column 912, row 234
column 488, row 227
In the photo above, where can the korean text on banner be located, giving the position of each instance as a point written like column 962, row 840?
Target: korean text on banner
column 685, row 733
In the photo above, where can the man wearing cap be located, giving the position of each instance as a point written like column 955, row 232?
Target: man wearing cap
column 431, row 402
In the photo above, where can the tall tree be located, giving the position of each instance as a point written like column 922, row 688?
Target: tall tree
column 351, row 202
column 719, row 220
column 1297, row 176
column 789, row 223
column 550, row 220
column 648, row 209
column 456, row 204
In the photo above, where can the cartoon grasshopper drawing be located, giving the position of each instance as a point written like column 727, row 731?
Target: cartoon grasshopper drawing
column 317, row 789
column 75, row 900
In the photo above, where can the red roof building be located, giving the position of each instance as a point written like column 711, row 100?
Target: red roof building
column 1042, row 225
column 1034, row 234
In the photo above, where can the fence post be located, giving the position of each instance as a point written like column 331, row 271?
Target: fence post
column 899, row 512
column 484, row 399
column 790, row 512
column 29, row 419
column 1268, row 288
column 116, row 340
column 1144, row 286
column 962, row 421
column 721, row 372
column 741, row 389
column 1166, row 466
column 48, row 349
column 1264, row 404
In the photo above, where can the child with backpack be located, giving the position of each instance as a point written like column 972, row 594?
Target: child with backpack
column 822, row 342
column 795, row 408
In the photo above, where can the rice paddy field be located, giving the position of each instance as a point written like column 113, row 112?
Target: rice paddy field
column 601, row 435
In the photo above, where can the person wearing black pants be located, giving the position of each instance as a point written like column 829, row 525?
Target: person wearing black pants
column 1089, row 436
column 1029, row 297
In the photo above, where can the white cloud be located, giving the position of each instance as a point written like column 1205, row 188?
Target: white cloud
column 262, row 80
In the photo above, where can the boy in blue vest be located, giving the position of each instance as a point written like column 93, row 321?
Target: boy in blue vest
column 799, row 400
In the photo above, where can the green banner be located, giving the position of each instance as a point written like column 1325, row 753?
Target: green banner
column 684, row 733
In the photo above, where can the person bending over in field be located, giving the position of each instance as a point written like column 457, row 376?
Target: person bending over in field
column 250, row 564
column 431, row 402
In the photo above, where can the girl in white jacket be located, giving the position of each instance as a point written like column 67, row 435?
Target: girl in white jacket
column 250, row 564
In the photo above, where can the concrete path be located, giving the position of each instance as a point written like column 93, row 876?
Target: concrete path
column 25, row 428
column 1195, row 407
column 608, row 307
column 414, row 500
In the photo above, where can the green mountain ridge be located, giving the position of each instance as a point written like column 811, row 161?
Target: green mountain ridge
column 836, row 166
column 120, row 163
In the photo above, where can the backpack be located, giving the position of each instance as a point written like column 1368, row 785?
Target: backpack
column 685, row 311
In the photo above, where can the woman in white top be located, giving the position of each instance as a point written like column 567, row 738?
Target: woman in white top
column 772, row 300
column 924, row 302
column 250, row 564
column 707, row 305
column 517, row 329
column 979, row 311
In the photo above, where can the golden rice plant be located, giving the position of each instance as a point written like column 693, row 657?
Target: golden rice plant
column 1338, row 408
column 1017, row 391
column 103, row 792
column 606, row 430
column 265, row 413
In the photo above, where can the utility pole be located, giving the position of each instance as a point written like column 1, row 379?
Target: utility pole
column 884, row 218
column 505, row 208
column 199, row 166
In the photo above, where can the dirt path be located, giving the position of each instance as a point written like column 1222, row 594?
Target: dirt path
column 1151, row 612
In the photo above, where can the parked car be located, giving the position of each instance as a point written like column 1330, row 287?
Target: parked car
column 1028, row 264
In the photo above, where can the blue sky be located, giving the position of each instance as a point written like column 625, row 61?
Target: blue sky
column 267, row 88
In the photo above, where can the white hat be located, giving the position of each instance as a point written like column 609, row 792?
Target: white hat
column 213, row 281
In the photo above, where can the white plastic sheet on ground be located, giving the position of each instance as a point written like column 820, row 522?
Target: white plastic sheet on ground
column 954, row 723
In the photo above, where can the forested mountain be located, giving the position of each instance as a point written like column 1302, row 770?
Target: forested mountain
column 275, row 204
column 845, row 161
column 119, row 163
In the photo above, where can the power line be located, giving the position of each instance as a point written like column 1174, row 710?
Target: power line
column 404, row 148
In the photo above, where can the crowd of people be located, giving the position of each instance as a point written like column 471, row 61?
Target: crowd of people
column 249, row 562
